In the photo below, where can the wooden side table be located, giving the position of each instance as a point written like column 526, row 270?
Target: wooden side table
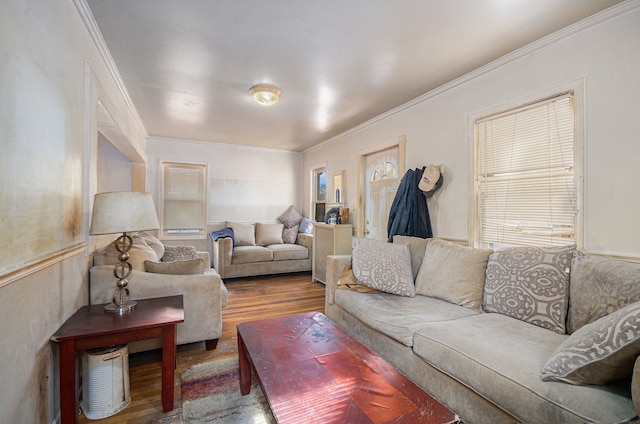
column 91, row 327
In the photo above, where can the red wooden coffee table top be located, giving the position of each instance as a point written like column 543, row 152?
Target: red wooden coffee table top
column 311, row 371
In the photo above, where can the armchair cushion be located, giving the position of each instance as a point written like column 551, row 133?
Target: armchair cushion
column 140, row 251
column 190, row 267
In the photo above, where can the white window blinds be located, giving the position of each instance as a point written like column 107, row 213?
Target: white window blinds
column 525, row 179
column 184, row 199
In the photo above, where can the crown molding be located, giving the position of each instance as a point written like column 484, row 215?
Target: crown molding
column 92, row 26
column 590, row 22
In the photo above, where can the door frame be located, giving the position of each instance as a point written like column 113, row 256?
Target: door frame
column 400, row 143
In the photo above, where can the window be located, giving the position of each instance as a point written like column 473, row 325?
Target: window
column 526, row 185
column 183, row 200
column 319, row 193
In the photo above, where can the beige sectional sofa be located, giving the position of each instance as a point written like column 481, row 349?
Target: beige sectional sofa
column 546, row 335
column 261, row 249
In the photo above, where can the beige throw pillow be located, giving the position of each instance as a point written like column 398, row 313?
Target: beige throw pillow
column 267, row 234
column 194, row 266
column 453, row 273
column 243, row 234
column 140, row 251
column 417, row 246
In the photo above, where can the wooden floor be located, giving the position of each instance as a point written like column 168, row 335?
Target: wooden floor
column 249, row 299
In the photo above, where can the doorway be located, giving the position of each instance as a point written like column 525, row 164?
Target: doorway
column 379, row 173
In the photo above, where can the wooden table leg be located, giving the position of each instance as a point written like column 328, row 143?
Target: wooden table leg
column 68, row 398
column 244, row 369
column 168, row 366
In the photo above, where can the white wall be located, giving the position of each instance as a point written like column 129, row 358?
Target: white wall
column 114, row 169
column 51, row 78
column 245, row 183
column 438, row 127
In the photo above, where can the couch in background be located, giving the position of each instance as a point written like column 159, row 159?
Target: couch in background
column 159, row 271
column 536, row 335
column 261, row 249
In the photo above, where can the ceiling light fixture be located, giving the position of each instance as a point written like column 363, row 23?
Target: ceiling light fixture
column 265, row 94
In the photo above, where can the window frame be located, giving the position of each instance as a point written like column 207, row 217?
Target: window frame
column 192, row 233
column 577, row 88
column 314, row 174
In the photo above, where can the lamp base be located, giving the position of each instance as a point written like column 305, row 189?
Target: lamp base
column 121, row 309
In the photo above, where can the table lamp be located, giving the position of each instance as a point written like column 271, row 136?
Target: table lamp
column 122, row 212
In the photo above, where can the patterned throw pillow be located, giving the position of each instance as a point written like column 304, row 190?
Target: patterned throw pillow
column 195, row 266
column 383, row 266
column 530, row 284
column 179, row 253
column 600, row 286
column 348, row 281
column 290, row 217
column 290, row 235
column 600, row 352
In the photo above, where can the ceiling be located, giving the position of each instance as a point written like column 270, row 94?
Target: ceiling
column 188, row 64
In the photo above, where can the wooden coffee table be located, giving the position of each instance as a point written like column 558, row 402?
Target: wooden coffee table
column 311, row 371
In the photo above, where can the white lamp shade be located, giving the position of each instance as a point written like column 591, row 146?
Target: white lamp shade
column 123, row 212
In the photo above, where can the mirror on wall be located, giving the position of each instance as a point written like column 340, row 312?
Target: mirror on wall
column 338, row 187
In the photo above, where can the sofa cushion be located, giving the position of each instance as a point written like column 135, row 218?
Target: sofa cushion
column 138, row 253
column 530, row 284
column 501, row 358
column 194, row 266
column 598, row 287
column 383, row 266
column 290, row 235
column 398, row 317
column 417, row 246
column 244, row 234
column 290, row 217
column 179, row 253
column 602, row 351
column 453, row 273
column 267, row 234
column 286, row 252
column 249, row 254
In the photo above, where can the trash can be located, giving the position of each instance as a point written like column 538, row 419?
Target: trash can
column 105, row 381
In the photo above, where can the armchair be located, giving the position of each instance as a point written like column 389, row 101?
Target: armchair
column 204, row 294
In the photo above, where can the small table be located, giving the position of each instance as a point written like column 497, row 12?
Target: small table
column 91, row 327
column 312, row 371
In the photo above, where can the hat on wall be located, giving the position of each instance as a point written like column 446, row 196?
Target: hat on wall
column 430, row 177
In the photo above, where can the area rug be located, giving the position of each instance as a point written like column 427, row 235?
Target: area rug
column 211, row 394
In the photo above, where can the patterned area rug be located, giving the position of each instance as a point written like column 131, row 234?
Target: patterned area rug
column 211, row 394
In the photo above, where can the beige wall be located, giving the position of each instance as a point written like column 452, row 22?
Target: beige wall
column 51, row 79
column 438, row 127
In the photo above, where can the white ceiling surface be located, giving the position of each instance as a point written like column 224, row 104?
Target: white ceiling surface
column 188, row 64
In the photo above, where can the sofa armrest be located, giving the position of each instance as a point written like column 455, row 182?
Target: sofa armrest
column 335, row 266
column 203, row 297
column 305, row 240
column 221, row 250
